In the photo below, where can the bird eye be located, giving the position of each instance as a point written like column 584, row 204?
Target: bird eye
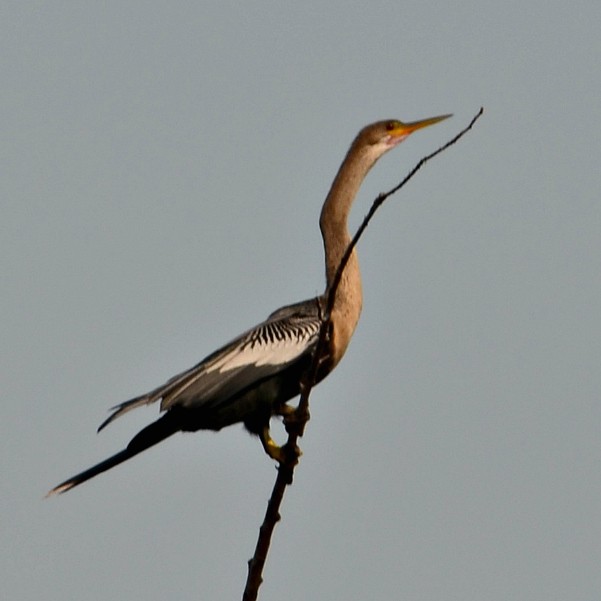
column 391, row 125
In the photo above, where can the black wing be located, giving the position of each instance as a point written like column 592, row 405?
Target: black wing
column 261, row 352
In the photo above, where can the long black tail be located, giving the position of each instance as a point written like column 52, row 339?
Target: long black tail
column 149, row 436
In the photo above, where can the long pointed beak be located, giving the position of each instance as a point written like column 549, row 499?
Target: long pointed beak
column 404, row 129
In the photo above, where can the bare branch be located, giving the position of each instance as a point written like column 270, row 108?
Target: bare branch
column 296, row 422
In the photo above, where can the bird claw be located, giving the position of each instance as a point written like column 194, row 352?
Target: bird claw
column 285, row 454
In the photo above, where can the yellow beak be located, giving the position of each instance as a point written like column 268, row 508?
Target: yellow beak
column 404, row 129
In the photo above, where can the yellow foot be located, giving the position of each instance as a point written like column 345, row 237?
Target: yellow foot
column 282, row 454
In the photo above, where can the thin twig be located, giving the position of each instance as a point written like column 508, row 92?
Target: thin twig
column 295, row 424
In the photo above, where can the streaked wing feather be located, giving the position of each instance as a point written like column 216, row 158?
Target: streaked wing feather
column 259, row 353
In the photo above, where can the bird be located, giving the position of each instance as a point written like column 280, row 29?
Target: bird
column 251, row 378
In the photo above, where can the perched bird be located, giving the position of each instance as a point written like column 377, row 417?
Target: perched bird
column 250, row 379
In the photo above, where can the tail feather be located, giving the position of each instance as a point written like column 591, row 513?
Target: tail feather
column 151, row 397
column 121, row 408
column 149, row 436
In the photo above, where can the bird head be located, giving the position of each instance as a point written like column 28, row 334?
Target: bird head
column 384, row 135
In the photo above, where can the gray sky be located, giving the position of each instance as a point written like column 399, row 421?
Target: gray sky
column 163, row 168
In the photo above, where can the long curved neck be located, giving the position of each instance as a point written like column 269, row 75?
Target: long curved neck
column 336, row 238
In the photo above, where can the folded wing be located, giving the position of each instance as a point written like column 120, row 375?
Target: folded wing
column 261, row 352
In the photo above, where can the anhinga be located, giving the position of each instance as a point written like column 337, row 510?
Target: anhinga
column 250, row 379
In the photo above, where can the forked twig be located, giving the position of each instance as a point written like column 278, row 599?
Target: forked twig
column 295, row 424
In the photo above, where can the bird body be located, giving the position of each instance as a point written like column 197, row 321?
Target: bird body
column 250, row 379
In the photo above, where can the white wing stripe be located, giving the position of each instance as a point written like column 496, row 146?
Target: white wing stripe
column 281, row 351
